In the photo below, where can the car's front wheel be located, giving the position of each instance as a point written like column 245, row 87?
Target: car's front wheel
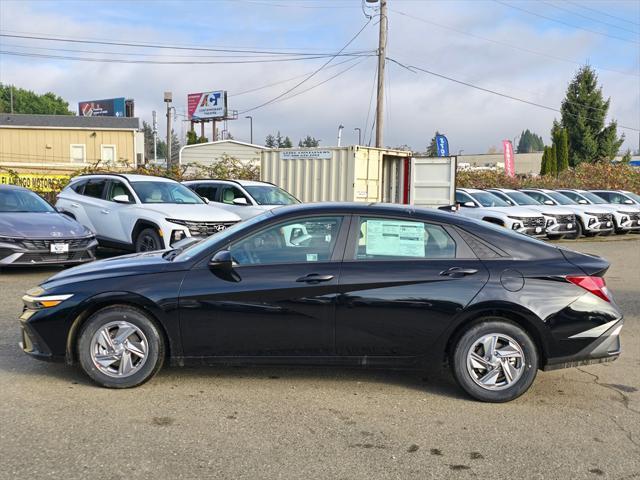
column 495, row 361
column 148, row 240
column 120, row 347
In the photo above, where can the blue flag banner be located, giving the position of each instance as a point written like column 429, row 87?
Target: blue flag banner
column 442, row 145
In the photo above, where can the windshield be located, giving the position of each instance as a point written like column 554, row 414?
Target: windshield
column 634, row 196
column 521, row 198
column 270, row 195
column 165, row 192
column 487, row 199
column 201, row 246
column 561, row 199
column 22, row 201
column 593, row 198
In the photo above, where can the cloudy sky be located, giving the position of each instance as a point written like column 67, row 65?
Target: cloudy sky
column 524, row 49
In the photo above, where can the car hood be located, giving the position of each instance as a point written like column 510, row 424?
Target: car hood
column 546, row 210
column 195, row 213
column 621, row 207
column 512, row 211
column 133, row 264
column 587, row 208
column 242, row 211
column 40, row 225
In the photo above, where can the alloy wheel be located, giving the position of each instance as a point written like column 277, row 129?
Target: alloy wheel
column 495, row 361
column 119, row 349
column 148, row 244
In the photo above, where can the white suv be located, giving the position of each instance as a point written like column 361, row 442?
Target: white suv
column 488, row 207
column 560, row 222
column 591, row 219
column 626, row 218
column 140, row 212
column 245, row 198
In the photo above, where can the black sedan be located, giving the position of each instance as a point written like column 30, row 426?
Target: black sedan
column 32, row 232
column 328, row 284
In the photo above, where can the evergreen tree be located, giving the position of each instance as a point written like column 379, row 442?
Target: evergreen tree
column 432, row 149
column 287, row 143
column 626, row 158
column 561, row 144
column 148, row 141
column 553, row 161
column 192, row 137
column 270, row 141
column 309, row 142
column 584, row 111
column 530, row 142
column 548, row 165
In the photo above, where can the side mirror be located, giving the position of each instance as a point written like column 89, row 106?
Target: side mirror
column 240, row 201
column 583, row 202
column 121, row 199
column 222, row 261
column 469, row 204
column 628, row 202
column 206, row 200
column 548, row 202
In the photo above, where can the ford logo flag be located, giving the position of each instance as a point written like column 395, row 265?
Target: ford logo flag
column 442, row 145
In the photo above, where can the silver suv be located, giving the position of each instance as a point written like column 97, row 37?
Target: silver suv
column 140, row 212
column 626, row 218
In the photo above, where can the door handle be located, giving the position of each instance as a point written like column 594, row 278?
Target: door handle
column 105, row 211
column 315, row 278
column 75, row 205
column 457, row 272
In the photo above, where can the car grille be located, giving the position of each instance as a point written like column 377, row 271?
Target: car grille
column 31, row 258
column 565, row 218
column 204, row 229
column 534, row 222
column 74, row 243
column 605, row 217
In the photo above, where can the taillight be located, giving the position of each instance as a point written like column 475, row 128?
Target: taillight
column 595, row 285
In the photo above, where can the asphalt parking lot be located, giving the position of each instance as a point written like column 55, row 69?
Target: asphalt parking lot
column 253, row 423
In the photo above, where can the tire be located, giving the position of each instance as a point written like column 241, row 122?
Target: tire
column 148, row 240
column 522, row 365
column 116, row 370
column 579, row 231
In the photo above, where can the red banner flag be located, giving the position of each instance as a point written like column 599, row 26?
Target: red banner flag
column 509, row 161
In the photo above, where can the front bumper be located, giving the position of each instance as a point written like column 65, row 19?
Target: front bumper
column 631, row 224
column 604, row 348
column 599, row 224
column 33, row 253
column 561, row 228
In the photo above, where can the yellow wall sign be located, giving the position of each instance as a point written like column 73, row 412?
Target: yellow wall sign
column 34, row 181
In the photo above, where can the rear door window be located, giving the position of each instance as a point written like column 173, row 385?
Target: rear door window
column 95, row 188
column 206, row 190
column 400, row 239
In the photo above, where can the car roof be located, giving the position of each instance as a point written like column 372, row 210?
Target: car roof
column 131, row 177
column 244, row 183
column 470, row 190
column 503, row 190
column 6, row 186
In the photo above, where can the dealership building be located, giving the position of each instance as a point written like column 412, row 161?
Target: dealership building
column 55, row 145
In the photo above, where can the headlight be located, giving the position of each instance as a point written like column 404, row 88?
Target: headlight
column 175, row 220
column 45, row 301
column 516, row 226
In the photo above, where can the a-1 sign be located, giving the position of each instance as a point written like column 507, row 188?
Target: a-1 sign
column 442, row 146
column 207, row 105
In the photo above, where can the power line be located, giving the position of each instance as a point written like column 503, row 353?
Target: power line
column 535, row 14
column 600, row 12
column 270, row 4
column 411, row 68
column 151, row 45
column 308, row 77
column 505, row 44
column 168, row 62
column 573, row 12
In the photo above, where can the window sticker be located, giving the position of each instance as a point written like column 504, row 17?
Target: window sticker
column 312, row 257
column 395, row 237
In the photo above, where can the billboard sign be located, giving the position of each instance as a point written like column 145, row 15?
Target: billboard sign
column 509, row 161
column 111, row 107
column 442, row 145
column 206, row 105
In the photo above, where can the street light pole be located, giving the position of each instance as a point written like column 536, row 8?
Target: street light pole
column 340, row 128
column 168, row 97
column 250, row 127
column 359, row 135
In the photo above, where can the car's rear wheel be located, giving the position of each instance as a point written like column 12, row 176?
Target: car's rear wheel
column 120, row 347
column 495, row 361
column 148, row 240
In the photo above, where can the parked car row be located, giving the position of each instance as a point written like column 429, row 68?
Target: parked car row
column 554, row 214
column 144, row 213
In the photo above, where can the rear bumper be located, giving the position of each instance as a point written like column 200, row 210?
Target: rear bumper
column 604, row 348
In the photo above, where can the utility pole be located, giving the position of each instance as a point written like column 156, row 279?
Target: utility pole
column 11, row 97
column 359, row 135
column 154, row 116
column 168, row 97
column 382, row 51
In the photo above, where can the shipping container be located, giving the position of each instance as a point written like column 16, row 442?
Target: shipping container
column 342, row 174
